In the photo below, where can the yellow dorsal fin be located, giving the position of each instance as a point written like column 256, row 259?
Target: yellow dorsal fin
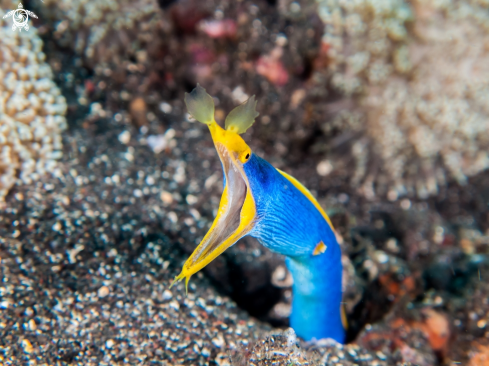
column 308, row 194
column 200, row 105
column 242, row 117
column 344, row 319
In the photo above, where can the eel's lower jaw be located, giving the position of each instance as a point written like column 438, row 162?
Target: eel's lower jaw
column 234, row 219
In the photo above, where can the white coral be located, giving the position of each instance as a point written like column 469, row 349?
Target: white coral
column 438, row 117
column 83, row 24
column 423, row 89
column 32, row 109
column 362, row 36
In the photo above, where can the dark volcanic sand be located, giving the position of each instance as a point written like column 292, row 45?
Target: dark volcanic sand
column 87, row 256
column 87, row 259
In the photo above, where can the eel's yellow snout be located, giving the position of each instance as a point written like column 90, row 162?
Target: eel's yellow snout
column 237, row 210
column 235, row 216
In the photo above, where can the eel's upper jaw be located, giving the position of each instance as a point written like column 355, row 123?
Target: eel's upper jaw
column 235, row 217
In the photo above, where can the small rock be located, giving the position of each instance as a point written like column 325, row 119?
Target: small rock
column 191, row 199
column 166, row 197
column 222, row 359
column 282, row 309
column 436, row 328
column 103, row 291
column 218, row 341
column 281, row 277
column 32, row 325
column 29, row 312
column 172, row 216
column 297, row 98
column 324, row 168
column 167, row 295
column 125, row 137
column 165, row 107
column 27, row 346
column 137, row 109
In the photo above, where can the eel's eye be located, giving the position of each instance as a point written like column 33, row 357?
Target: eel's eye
column 245, row 156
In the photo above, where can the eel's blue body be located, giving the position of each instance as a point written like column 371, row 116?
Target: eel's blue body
column 288, row 223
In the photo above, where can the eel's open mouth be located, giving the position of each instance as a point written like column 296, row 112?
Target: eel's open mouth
column 234, row 218
column 228, row 217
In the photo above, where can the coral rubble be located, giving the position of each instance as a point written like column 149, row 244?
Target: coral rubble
column 32, row 109
column 87, row 25
column 360, row 39
column 420, row 70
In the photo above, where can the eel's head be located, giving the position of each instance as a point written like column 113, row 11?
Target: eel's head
column 237, row 211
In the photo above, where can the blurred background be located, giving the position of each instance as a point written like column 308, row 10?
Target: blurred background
column 379, row 107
